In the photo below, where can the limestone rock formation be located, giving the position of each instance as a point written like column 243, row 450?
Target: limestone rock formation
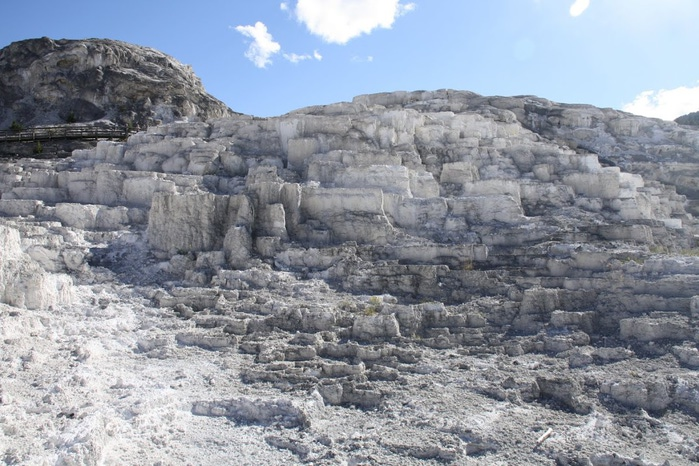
column 45, row 81
column 468, row 271
column 24, row 282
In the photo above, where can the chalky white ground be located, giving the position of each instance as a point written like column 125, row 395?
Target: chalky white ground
column 77, row 390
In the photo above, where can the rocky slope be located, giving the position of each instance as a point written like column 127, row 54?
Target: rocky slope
column 45, row 81
column 409, row 278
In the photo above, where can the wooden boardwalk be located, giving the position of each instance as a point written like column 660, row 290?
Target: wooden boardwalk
column 51, row 133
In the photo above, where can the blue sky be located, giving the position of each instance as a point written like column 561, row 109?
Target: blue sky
column 268, row 57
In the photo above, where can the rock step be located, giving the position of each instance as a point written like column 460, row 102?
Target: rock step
column 207, row 340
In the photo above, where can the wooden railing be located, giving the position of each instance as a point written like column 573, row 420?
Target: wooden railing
column 48, row 133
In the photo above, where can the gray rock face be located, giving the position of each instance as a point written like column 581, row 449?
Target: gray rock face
column 45, row 81
column 243, row 410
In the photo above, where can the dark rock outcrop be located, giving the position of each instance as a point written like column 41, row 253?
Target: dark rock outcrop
column 45, row 81
column 690, row 119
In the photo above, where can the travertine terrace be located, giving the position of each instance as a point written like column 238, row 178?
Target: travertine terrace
column 407, row 278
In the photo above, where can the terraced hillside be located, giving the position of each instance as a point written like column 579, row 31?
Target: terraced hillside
column 409, row 278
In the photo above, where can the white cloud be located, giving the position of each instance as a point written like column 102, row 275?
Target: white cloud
column 578, row 7
column 262, row 46
column 367, row 59
column 667, row 104
column 284, row 6
column 296, row 58
column 338, row 21
column 404, row 9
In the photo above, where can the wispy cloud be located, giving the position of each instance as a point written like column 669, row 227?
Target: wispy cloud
column 578, row 7
column 339, row 21
column 296, row 58
column 367, row 59
column 667, row 104
column 405, row 8
column 262, row 46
